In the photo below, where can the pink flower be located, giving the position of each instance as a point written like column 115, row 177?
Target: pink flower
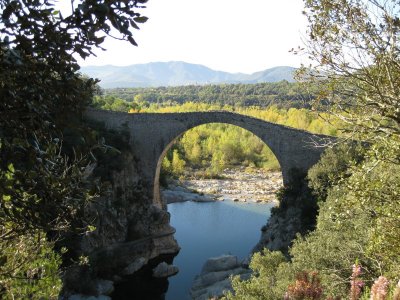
column 380, row 288
column 356, row 283
column 357, row 270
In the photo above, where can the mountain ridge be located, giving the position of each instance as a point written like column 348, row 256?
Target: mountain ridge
column 175, row 73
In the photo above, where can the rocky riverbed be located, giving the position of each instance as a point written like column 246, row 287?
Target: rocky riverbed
column 246, row 185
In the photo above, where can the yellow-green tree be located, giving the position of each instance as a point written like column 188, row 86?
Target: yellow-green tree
column 177, row 164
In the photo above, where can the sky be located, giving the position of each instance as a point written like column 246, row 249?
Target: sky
column 226, row 35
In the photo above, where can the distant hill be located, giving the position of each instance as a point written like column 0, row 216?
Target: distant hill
column 178, row 73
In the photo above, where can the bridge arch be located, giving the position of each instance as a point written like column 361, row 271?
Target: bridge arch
column 150, row 135
column 156, row 191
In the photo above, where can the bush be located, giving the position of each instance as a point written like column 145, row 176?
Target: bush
column 357, row 222
column 29, row 269
column 333, row 166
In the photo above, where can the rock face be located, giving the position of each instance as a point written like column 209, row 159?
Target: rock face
column 214, row 279
column 129, row 232
column 279, row 232
column 296, row 214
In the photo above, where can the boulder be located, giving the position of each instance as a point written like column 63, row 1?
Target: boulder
column 215, row 290
column 164, row 270
column 104, row 287
column 211, row 278
column 215, row 284
column 172, row 196
column 220, row 263
column 214, row 279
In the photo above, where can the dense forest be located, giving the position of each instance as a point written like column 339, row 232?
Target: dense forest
column 282, row 94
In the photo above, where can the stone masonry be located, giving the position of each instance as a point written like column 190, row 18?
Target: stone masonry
column 152, row 134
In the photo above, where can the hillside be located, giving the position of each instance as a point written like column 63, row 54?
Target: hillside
column 177, row 73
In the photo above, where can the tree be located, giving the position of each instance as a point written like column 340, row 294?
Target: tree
column 177, row 164
column 40, row 89
column 43, row 184
column 354, row 47
column 263, row 282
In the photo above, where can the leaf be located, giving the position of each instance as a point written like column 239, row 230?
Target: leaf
column 11, row 168
column 132, row 41
column 140, row 19
column 133, row 24
column 3, row 260
column 6, row 198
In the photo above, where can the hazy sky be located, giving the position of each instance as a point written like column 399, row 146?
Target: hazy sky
column 228, row 35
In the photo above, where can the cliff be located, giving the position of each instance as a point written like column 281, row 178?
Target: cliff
column 295, row 214
column 129, row 230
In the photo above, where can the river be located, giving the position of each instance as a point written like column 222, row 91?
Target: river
column 210, row 229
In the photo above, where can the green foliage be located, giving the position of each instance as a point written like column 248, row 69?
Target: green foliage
column 283, row 94
column 215, row 147
column 263, row 283
column 40, row 91
column 297, row 195
column 29, row 269
column 43, row 179
column 112, row 103
column 332, row 167
column 357, row 222
column 104, row 147
column 354, row 45
column 41, row 191
column 177, row 164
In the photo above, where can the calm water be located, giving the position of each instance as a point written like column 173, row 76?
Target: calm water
column 205, row 230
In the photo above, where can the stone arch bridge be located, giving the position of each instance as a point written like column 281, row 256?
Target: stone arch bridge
column 152, row 134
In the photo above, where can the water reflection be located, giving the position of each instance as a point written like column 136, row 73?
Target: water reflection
column 142, row 285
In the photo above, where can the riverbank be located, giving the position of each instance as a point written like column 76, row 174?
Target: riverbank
column 239, row 184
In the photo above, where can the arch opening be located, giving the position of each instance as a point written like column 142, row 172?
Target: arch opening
column 209, row 150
